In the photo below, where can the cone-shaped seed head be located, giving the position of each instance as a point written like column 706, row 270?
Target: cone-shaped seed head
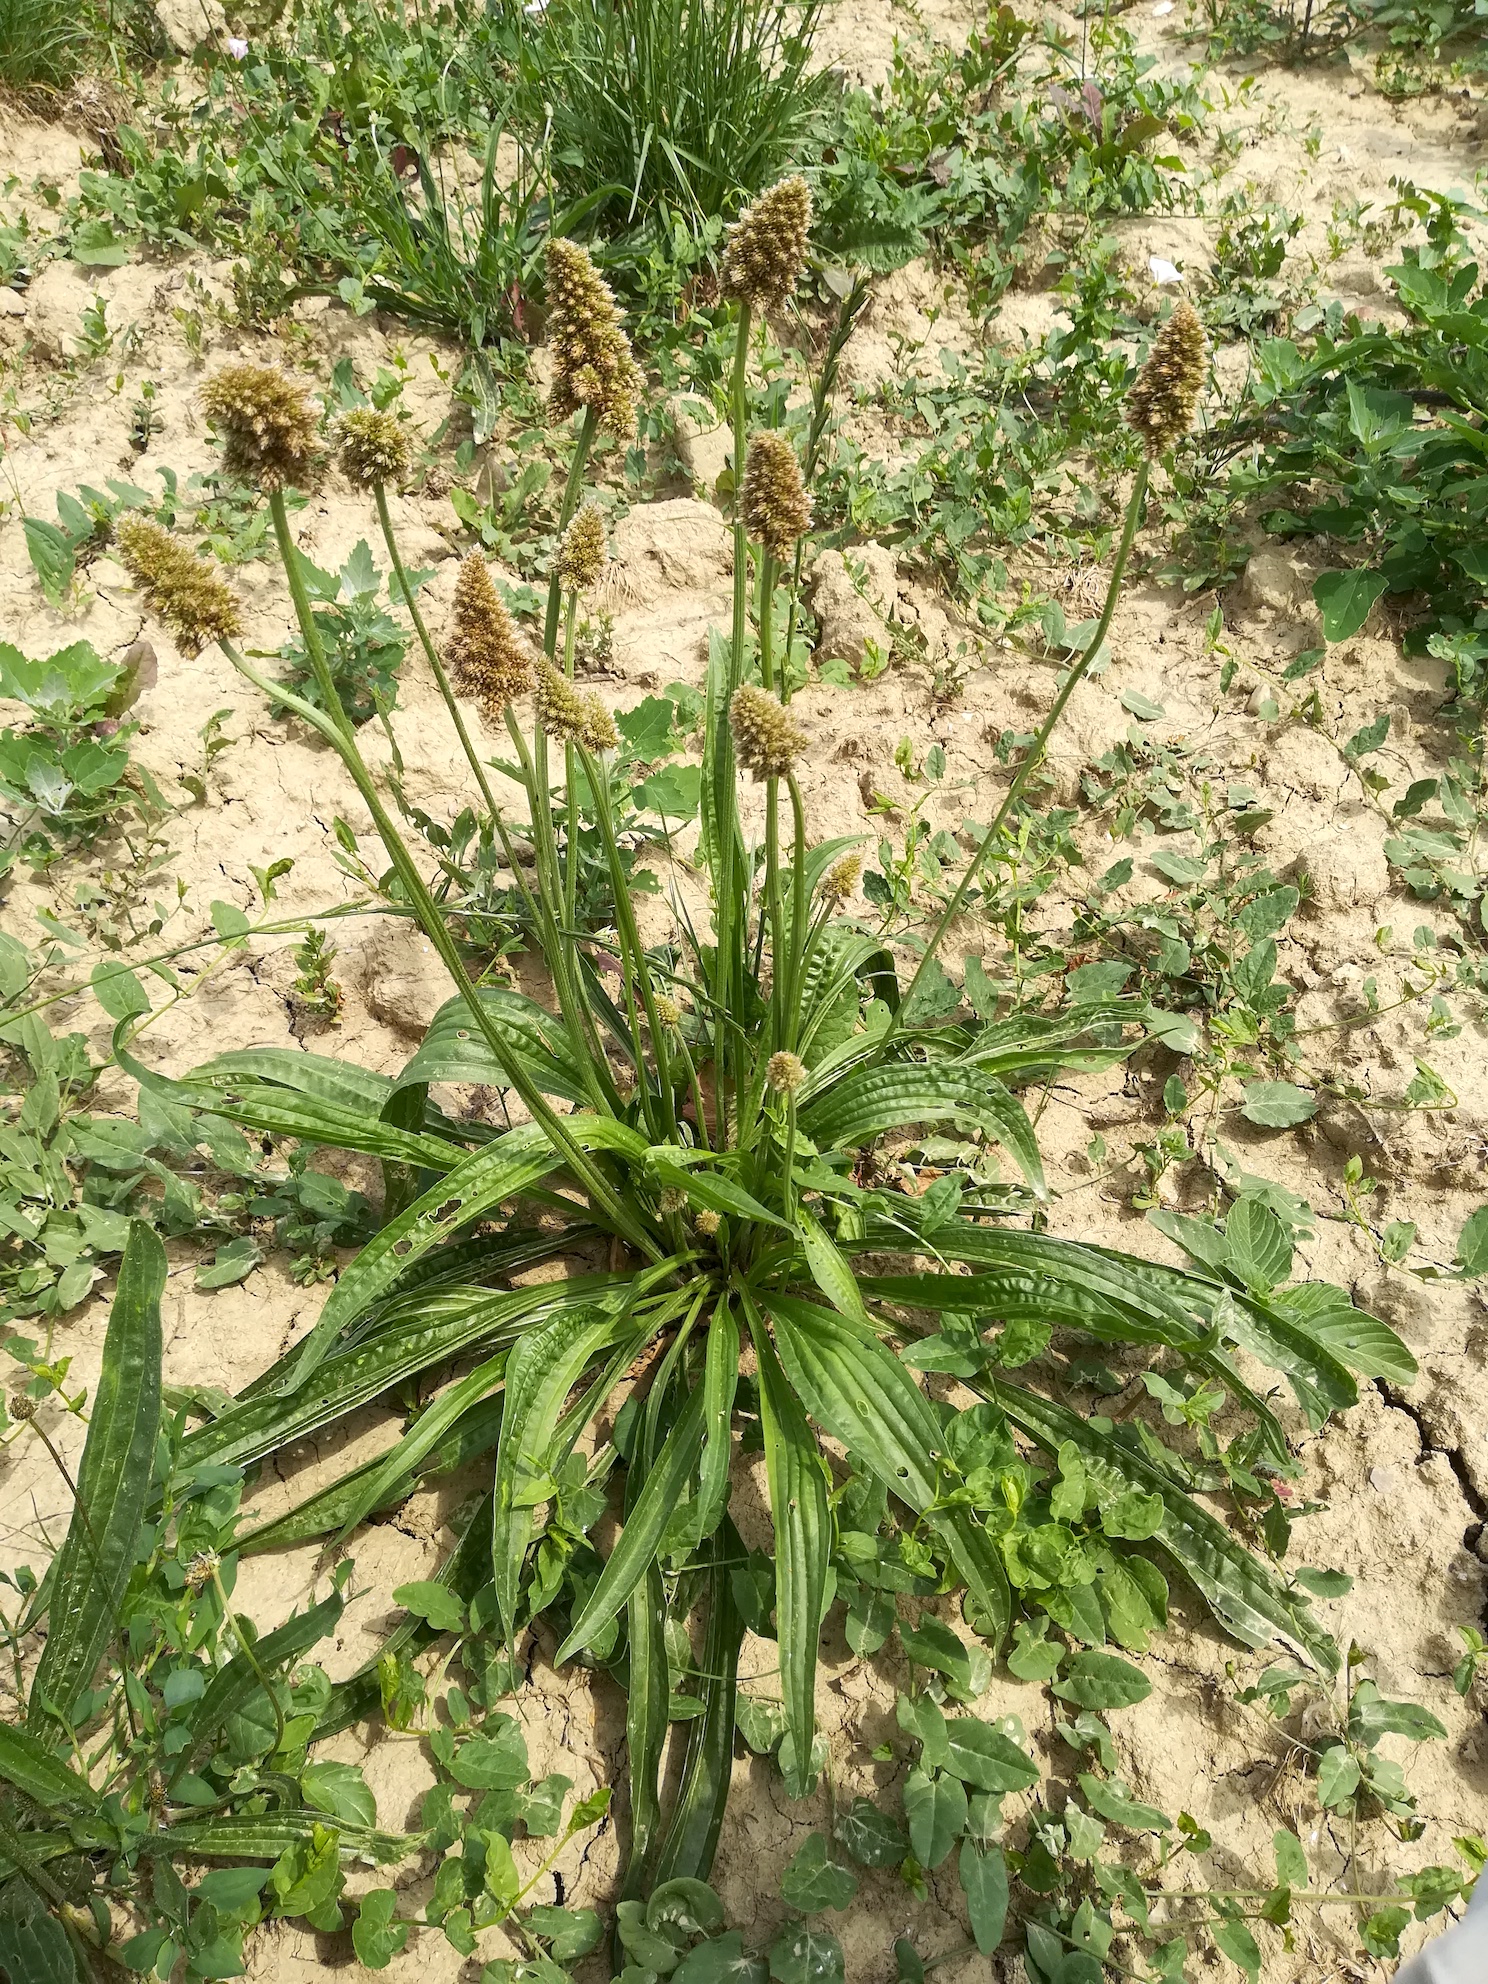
column 766, row 247
column 581, row 553
column 707, row 1223
column 186, row 593
column 841, row 879
column 599, row 733
column 785, row 1072
column 490, row 659
column 1160, row 406
column 592, row 365
column 766, row 736
column 777, row 510
column 267, row 426
column 563, row 713
column 374, row 447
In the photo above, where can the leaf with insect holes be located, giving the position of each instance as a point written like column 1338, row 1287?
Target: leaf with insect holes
column 805, row 1956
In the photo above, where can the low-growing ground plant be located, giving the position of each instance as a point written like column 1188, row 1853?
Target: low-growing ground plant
column 720, row 1096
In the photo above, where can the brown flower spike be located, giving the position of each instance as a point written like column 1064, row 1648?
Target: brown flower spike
column 374, row 447
column 592, row 365
column 1160, row 406
column 766, row 736
column 186, row 593
column 777, row 510
column 267, row 426
column 570, row 718
column 766, row 247
column 490, row 659
column 581, row 551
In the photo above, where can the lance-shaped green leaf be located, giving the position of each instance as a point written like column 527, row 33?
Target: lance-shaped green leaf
column 234, row 1836
column 113, row 1486
column 666, row 1482
column 687, row 1850
column 803, row 1540
column 720, row 1384
column 341, row 1083
column 541, row 1371
column 455, row 1050
column 709, row 1189
column 473, row 1434
column 432, row 1327
column 873, row 1100
column 46, row 1780
column 1122, row 1299
column 1239, row 1590
column 259, row 1106
column 865, row 1397
column 233, row 1687
column 830, row 1270
column 500, row 1171
column 423, row 1436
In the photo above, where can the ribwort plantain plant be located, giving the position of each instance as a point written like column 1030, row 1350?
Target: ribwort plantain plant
column 697, row 1154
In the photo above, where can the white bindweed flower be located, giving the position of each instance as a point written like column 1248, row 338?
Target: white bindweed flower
column 1163, row 272
column 237, row 49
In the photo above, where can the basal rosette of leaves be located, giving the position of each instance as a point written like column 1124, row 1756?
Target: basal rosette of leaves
column 734, row 1262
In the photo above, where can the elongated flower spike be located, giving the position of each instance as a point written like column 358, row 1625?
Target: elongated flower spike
column 374, row 448
column 766, row 736
column 490, row 659
column 777, row 510
column 581, row 551
column 592, row 362
column 766, row 247
column 1165, row 394
column 267, row 426
column 569, row 717
column 187, row 594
